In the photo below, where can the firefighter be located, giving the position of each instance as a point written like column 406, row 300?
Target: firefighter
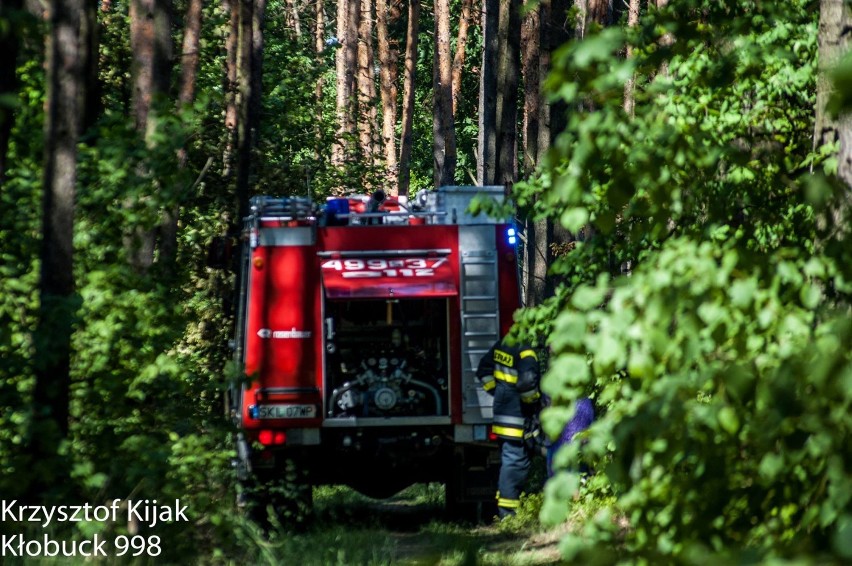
column 511, row 374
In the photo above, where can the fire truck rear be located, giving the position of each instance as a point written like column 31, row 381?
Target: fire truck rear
column 360, row 327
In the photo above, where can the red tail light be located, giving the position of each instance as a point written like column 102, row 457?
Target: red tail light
column 272, row 437
column 491, row 435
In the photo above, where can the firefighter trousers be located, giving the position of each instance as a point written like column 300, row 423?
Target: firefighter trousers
column 514, row 467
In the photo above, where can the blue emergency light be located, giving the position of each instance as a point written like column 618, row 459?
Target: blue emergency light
column 512, row 236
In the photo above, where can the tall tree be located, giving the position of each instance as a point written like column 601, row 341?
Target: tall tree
column 293, row 18
column 461, row 49
column 186, row 95
column 366, row 107
column 348, row 18
column 442, row 119
column 835, row 21
column 536, row 245
column 319, row 49
column 151, row 44
column 487, row 140
column 9, row 40
column 630, row 84
column 408, row 97
column 508, row 70
column 544, row 30
column 66, row 83
column 231, row 86
column 249, row 75
column 530, row 58
column 388, row 74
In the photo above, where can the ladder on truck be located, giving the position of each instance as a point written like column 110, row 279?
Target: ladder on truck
column 480, row 316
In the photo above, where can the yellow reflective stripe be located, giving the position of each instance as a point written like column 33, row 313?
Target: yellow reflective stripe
column 507, row 431
column 508, row 503
column 529, row 354
column 530, row 397
column 489, row 385
column 508, row 378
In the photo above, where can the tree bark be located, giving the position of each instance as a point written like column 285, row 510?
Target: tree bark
column 348, row 16
column 487, row 143
column 388, row 73
column 461, row 47
column 835, row 21
column 9, row 41
column 405, row 142
column 600, row 11
column 630, row 85
column 294, row 19
column 186, row 96
column 531, row 57
column 319, row 47
column 232, row 8
column 66, row 82
column 442, row 122
column 189, row 52
column 151, row 44
column 507, row 92
column 366, row 113
column 249, row 77
column 533, row 104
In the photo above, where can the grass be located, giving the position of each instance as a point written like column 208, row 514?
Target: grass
column 406, row 530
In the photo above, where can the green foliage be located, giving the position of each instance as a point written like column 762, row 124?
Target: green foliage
column 718, row 364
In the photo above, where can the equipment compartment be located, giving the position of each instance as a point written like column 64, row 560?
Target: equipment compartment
column 386, row 358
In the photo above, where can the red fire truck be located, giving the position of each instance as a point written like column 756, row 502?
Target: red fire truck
column 360, row 325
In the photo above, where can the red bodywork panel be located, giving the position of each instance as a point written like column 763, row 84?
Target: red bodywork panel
column 284, row 346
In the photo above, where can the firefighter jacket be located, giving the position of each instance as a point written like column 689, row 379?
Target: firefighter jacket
column 511, row 374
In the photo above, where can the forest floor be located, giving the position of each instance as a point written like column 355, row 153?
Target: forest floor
column 411, row 529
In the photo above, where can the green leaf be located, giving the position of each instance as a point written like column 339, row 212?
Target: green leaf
column 558, row 490
column 729, row 420
column 574, row 219
column 770, row 466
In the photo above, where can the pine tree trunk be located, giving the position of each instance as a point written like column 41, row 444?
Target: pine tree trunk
column 151, row 44
column 231, row 86
column 487, row 143
column 461, row 47
column 348, row 17
column 507, row 92
column 533, row 105
column 405, row 142
column 66, row 82
column 319, row 47
column 366, row 115
column 835, row 21
column 630, row 85
column 294, row 19
column 243, row 102
column 531, row 57
column 388, row 72
column 186, row 96
column 443, row 124
column 189, row 52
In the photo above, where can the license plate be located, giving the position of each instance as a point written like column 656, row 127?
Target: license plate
column 286, row 411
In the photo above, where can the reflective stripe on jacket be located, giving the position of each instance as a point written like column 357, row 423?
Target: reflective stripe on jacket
column 499, row 371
